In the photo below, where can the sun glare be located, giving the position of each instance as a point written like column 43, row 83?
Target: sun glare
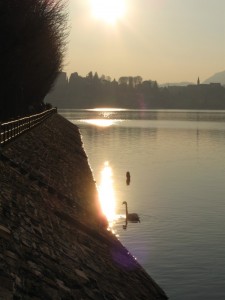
column 108, row 10
column 106, row 193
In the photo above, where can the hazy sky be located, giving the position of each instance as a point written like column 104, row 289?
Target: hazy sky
column 163, row 40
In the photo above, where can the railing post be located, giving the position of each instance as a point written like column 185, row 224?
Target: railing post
column 5, row 134
column 0, row 134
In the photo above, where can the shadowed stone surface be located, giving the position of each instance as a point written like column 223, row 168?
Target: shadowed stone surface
column 53, row 241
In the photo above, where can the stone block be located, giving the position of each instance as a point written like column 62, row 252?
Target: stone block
column 5, row 295
column 6, row 283
column 5, row 233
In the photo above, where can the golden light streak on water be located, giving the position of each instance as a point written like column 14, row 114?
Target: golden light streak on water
column 107, row 194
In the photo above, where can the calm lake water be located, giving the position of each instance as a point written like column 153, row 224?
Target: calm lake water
column 177, row 164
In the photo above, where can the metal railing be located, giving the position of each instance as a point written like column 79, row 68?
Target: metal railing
column 12, row 129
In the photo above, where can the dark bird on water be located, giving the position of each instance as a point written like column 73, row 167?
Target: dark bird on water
column 131, row 217
column 128, row 178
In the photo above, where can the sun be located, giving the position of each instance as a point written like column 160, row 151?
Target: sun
column 109, row 11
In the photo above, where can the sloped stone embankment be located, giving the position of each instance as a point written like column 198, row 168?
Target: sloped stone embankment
column 53, row 240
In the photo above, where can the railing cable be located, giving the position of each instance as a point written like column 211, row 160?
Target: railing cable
column 12, row 129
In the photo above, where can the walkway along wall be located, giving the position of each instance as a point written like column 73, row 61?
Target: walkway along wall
column 53, row 240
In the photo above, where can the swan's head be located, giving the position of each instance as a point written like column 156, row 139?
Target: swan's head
column 124, row 202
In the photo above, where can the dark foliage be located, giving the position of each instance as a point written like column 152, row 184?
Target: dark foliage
column 32, row 43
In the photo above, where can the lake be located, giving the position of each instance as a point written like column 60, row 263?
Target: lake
column 176, row 160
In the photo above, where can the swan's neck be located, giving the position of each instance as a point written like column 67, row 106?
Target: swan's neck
column 126, row 209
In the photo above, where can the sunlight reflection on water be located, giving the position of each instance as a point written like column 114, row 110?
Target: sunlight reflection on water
column 106, row 193
column 107, row 197
column 102, row 122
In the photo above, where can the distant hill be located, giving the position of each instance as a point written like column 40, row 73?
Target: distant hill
column 175, row 84
column 218, row 78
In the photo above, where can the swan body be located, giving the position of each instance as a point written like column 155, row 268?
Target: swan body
column 131, row 217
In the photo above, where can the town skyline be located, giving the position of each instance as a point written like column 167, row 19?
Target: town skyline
column 218, row 77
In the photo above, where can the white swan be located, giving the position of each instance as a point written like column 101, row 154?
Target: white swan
column 132, row 217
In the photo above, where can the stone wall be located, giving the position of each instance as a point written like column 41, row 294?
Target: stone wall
column 53, row 238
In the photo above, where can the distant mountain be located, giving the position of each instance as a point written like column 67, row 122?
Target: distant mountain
column 218, row 78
